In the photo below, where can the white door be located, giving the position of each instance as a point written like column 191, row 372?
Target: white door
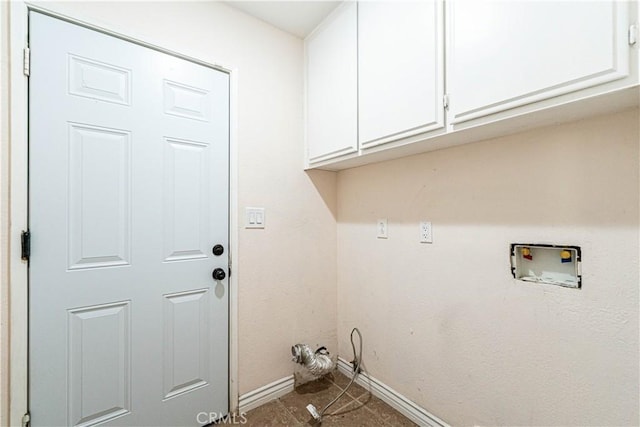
column 128, row 181
column 400, row 69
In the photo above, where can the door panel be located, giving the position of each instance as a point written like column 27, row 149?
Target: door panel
column 128, row 175
column 184, row 101
column 97, row 80
column 186, row 192
column 99, row 164
column 99, row 363
column 185, row 366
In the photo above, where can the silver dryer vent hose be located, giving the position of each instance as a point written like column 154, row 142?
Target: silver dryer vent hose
column 317, row 362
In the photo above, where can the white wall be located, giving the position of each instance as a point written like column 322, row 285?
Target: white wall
column 287, row 272
column 447, row 326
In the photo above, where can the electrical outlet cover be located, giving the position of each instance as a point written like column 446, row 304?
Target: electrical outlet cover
column 426, row 232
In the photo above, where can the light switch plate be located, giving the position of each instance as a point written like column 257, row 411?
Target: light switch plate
column 382, row 228
column 254, row 218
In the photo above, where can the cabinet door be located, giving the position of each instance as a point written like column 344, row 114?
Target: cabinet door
column 332, row 87
column 400, row 69
column 505, row 54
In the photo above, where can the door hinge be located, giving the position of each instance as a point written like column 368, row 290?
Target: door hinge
column 26, row 61
column 25, row 241
column 633, row 34
column 445, row 101
column 26, row 419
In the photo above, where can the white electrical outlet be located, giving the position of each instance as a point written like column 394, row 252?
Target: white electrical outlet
column 426, row 232
column 382, row 229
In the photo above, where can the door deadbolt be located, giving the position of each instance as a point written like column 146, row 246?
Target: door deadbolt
column 218, row 250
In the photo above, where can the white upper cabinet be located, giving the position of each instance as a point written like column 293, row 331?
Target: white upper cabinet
column 506, row 54
column 332, row 87
column 400, row 69
column 387, row 79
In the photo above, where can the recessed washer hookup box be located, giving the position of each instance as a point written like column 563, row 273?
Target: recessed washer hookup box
column 549, row 264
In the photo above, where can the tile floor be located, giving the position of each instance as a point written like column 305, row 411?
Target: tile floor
column 356, row 408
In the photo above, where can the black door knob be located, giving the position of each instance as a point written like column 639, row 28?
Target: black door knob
column 218, row 250
column 218, row 274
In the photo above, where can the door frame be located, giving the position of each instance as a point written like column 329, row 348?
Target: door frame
column 18, row 196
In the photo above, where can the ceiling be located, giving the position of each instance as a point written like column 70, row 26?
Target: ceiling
column 296, row 17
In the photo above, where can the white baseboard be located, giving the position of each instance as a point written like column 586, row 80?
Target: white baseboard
column 265, row 394
column 391, row 397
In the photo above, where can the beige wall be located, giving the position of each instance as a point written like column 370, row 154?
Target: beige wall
column 287, row 272
column 447, row 326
